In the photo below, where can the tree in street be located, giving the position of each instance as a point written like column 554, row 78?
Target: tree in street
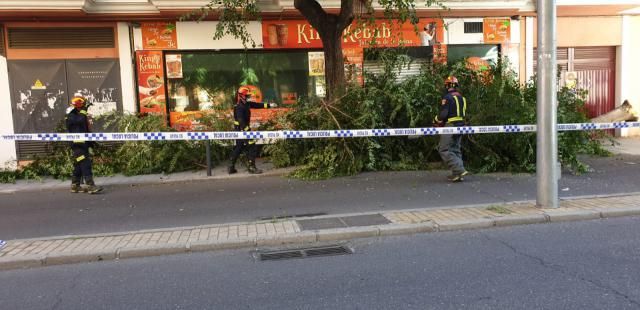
column 234, row 15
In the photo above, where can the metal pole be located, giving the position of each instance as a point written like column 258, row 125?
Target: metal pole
column 547, row 136
column 208, row 149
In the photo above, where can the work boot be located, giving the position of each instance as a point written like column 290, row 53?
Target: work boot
column 92, row 188
column 253, row 169
column 455, row 178
column 76, row 188
column 232, row 169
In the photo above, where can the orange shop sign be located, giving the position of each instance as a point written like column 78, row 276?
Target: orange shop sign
column 385, row 33
column 159, row 36
column 496, row 30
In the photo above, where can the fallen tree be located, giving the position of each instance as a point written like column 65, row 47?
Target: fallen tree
column 622, row 113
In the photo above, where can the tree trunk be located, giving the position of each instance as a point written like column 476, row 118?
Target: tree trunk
column 333, row 63
column 330, row 28
column 620, row 114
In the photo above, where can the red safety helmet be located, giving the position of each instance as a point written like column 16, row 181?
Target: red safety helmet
column 78, row 101
column 451, row 80
column 243, row 90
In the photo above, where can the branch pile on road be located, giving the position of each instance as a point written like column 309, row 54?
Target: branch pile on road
column 386, row 100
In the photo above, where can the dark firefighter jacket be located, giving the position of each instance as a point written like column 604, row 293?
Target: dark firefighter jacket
column 78, row 122
column 453, row 109
column 242, row 113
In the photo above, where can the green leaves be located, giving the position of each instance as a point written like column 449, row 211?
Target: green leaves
column 495, row 98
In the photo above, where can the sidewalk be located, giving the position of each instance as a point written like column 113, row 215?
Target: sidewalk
column 301, row 231
column 219, row 172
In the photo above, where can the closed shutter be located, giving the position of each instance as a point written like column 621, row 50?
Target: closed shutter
column 46, row 38
column 562, row 54
column 594, row 58
column 2, row 48
column 412, row 69
column 595, row 67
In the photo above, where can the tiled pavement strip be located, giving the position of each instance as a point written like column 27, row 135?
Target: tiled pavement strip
column 75, row 249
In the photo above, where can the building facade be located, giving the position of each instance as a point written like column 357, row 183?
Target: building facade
column 135, row 56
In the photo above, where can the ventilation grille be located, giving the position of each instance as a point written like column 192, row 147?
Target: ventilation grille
column 2, row 49
column 473, row 27
column 30, row 150
column 43, row 38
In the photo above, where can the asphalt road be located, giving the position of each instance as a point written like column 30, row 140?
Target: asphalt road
column 126, row 208
column 572, row 265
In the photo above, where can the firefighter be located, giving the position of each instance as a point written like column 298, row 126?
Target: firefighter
column 77, row 121
column 453, row 113
column 241, row 119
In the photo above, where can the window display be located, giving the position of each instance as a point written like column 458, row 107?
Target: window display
column 203, row 81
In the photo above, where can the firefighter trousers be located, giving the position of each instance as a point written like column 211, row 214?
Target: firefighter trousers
column 243, row 145
column 450, row 152
column 81, row 164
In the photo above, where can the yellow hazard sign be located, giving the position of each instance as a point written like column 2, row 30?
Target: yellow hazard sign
column 38, row 85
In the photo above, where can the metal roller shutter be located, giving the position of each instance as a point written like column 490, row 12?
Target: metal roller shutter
column 2, row 48
column 44, row 38
column 595, row 69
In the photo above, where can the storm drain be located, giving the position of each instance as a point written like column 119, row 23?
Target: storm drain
column 284, row 217
column 305, row 252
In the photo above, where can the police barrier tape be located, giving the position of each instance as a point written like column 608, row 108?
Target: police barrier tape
column 303, row 134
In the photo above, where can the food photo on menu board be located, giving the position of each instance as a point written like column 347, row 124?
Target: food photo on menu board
column 151, row 82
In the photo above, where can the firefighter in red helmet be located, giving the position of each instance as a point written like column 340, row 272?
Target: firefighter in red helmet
column 241, row 122
column 77, row 121
column 453, row 113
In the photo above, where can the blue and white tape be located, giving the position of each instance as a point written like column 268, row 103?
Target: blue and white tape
column 303, row 134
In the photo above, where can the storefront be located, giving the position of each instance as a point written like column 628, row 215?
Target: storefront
column 48, row 63
column 183, row 73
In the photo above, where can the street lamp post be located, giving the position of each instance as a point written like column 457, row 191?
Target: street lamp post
column 547, row 134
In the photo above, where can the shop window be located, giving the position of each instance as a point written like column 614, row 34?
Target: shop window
column 415, row 57
column 209, row 80
column 480, row 55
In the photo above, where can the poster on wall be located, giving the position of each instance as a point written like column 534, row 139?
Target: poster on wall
column 353, row 60
column 174, row 66
column 98, row 81
column 38, row 94
column 316, row 63
column 159, row 36
column 151, row 86
column 496, row 30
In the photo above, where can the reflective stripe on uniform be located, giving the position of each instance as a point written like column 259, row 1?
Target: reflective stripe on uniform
column 464, row 109
column 459, row 117
column 252, row 141
column 266, row 105
column 80, row 158
column 246, row 128
column 83, row 112
column 78, row 141
column 236, row 123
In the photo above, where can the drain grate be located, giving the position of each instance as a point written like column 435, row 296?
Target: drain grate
column 329, row 251
column 282, row 217
column 305, row 252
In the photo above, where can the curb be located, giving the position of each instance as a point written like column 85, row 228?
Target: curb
column 310, row 237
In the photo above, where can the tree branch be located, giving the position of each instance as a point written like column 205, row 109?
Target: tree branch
column 346, row 13
column 312, row 11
